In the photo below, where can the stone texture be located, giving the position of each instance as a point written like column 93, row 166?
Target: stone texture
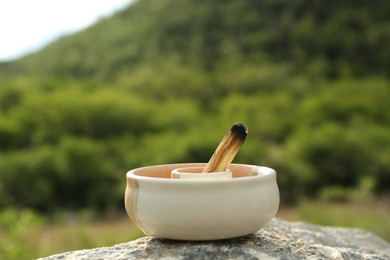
column 279, row 240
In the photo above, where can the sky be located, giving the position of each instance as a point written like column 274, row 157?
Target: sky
column 28, row 25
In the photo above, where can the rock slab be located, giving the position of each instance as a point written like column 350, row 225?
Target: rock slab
column 279, row 240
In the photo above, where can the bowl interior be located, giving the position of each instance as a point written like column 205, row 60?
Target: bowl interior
column 164, row 171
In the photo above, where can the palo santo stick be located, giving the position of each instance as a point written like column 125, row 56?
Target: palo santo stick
column 227, row 149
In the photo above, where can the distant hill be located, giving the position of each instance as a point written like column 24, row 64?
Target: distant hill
column 338, row 37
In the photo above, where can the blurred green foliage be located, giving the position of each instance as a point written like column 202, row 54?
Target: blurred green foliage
column 328, row 38
column 162, row 82
column 371, row 216
column 15, row 228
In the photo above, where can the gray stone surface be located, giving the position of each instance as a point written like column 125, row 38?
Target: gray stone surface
column 279, row 240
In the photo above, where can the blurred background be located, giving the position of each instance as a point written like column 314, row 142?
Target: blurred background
column 160, row 82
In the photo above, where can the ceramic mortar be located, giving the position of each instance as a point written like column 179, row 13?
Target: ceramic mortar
column 201, row 209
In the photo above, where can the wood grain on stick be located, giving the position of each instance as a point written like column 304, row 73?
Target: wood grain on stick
column 227, row 149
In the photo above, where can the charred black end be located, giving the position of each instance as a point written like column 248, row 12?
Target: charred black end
column 240, row 130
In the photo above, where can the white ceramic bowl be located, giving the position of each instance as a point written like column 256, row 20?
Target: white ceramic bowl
column 201, row 209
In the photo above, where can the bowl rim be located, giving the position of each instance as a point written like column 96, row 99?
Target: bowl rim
column 266, row 173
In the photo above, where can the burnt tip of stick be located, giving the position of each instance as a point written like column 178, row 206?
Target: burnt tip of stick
column 240, row 130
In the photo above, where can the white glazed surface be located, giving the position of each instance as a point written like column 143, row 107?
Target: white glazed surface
column 201, row 209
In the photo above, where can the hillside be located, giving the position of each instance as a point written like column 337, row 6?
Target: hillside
column 348, row 38
column 162, row 81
